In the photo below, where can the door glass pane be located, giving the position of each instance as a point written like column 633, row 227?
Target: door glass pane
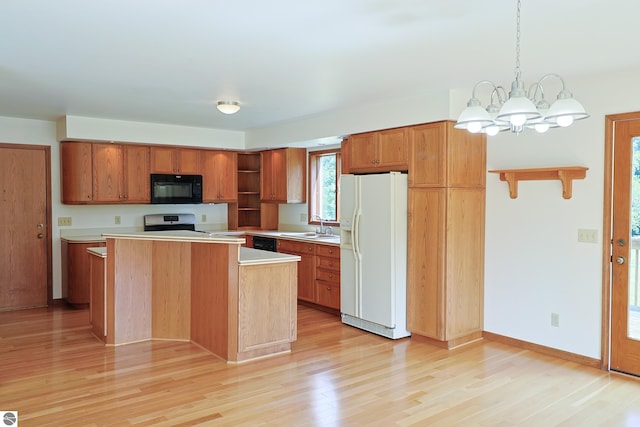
column 634, row 262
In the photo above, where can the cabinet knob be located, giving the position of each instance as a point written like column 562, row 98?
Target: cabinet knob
column 329, row 288
column 331, row 276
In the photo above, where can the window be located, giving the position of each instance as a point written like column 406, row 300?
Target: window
column 324, row 181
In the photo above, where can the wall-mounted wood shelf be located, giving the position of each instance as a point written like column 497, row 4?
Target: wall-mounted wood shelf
column 566, row 174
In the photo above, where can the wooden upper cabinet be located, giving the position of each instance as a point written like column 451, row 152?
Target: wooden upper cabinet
column 108, row 173
column 283, row 175
column 95, row 173
column 136, row 173
column 121, row 173
column 173, row 160
column 76, row 163
column 442, row 156
column 219, row 176
column 380, row 151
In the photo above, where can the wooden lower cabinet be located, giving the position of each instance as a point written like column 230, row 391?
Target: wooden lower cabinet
column 328, row 276
column 75, row 271
column 98, row 288
column 445, row 264
column 306, row 267
column 318, row 272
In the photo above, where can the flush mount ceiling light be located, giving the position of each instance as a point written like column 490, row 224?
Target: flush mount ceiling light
column 228, row 107
column 521, row 109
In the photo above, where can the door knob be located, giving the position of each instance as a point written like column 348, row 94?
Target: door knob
column 40, row 236
column 620, row 260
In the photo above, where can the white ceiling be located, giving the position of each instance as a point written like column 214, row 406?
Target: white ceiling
column 169, row 61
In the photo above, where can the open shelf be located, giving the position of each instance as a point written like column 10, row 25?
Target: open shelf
column 566, row 175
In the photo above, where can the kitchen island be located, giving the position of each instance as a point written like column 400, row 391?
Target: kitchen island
column 236, row 302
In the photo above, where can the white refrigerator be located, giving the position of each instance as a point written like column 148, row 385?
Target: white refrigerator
column 373, row 253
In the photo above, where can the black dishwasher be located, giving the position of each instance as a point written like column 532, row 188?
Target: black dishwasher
column 264, row 243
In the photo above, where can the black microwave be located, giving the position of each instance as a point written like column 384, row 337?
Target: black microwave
column 176, row 189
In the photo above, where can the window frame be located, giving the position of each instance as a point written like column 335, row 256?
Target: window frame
column 313, row 194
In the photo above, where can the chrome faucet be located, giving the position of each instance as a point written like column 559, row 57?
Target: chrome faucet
column 322, row 229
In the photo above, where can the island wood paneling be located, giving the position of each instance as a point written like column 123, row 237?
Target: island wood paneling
column 129, row 307
column 171, row 293
column 212, row 272
column 263, row 288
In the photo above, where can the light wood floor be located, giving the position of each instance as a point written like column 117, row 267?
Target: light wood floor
column 54, row 372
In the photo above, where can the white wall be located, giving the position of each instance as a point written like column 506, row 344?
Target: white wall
column 534, row 263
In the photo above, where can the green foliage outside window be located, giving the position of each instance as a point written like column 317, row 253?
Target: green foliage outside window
column 327, row 178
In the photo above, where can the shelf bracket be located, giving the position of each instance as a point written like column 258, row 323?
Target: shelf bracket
column 565, row 174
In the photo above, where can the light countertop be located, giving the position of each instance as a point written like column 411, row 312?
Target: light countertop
column 98, row 251
column 223, row 236
column 250, row 256
column 178, row 235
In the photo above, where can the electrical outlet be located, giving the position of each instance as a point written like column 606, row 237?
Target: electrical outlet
column 555, row 320
column 117, row 219
column 204, row 217
column 64, row 221
column 587, row 235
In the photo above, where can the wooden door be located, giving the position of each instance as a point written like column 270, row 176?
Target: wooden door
column 266, row 176
column 393, row 151
column 77, row 172
column 625, row 298
column 136, row 173
column 107, row 173
column 426, row 261
column 363, row 151
column 220, row 176
column 25, row 231
column 163, row 160
column 188, row 161
column 279, row 174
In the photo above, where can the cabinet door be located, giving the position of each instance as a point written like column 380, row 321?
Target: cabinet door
column 428, row 155
column 442, row 156
column 77, row 172
column 328, row 294
column 163, row 160
column 425, row 261
column 219, row 176
column 306, row 266
column 75, row 271
column 363, row 151
column 107, row 173
column 267, row 170
column 392, row 150
column 188, row 161
column 136, row 173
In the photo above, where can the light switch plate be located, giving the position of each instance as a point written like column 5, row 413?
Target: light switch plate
column 586, row 235
column 64, row 221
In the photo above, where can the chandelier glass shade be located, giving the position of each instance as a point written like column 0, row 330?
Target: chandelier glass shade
column 520, row 109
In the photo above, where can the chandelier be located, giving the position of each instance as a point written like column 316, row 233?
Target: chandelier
column 521, row 109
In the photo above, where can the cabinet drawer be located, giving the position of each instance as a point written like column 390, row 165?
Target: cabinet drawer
column 328, row 294
column 328, row 276
column 328, row 251
column 328, row 263
column 297, row 247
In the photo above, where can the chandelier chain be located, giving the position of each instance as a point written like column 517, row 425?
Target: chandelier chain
column 517, row 71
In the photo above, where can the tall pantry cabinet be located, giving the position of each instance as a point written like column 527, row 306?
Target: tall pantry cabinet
column 445, row 261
